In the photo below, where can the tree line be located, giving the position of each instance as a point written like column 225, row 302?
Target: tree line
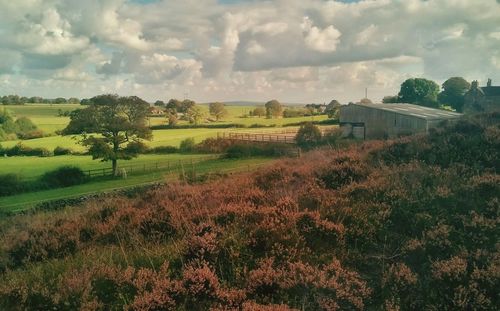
column 21, row 100
column 427, row 93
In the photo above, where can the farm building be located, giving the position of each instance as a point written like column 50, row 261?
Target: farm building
column 367, row 121
column 482, row 99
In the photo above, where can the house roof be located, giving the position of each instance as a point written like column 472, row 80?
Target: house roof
column 491, row 90
column 414, row 111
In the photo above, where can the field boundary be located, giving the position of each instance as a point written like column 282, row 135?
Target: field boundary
column 177, row 173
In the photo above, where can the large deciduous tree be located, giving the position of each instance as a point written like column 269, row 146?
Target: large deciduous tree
column 419, row 91
column 112, row 127
column 333, row 109
column 453, row 93
column 218, row 110
column 274, row 109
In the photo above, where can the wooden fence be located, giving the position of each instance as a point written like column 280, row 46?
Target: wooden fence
column 260, row 137
column 286, row 136
column 147, row 167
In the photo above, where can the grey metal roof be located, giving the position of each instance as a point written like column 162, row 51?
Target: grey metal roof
column 414, row 111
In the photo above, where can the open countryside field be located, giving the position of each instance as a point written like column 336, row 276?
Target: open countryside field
column 26, row 201
column 45, row 116
column 25, row 168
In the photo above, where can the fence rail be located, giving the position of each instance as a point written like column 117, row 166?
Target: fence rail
column 258, row 137
column 147, row 167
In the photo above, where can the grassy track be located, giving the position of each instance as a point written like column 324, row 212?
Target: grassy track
column 28, row 200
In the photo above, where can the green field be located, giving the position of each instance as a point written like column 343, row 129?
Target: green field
column 169, row 137
column 45, row 116
column 24, row 166
column 25, row 201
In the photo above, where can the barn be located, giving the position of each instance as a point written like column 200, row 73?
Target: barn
column 371, row 121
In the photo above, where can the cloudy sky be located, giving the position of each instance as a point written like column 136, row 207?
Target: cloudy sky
column 292, row 50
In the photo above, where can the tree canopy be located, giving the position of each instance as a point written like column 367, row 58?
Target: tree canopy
column 419, row 91
column 333, row 109
column 274, row 109
column 120, row 123
column 218, row 110
column 453, row 93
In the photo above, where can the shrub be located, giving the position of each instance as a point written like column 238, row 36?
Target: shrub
column 10, row 184
column 22, row 150
column 163, row 150
column 25, row 125
column 62, row 151
column 308, row 135
column 187, row 145
column 31, row 134
column 64, row 177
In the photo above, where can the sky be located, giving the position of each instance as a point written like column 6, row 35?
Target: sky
column 298, row 51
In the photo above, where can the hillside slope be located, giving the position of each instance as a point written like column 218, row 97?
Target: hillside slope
column 411, row 224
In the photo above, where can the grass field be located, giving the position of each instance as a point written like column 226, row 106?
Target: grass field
column 24, row 166
column 26, row 201
column 45, row 116
column 170, row 137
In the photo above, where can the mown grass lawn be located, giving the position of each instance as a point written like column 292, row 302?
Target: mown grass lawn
column 26, row 201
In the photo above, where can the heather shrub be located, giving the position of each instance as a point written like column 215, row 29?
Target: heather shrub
column 347, row 229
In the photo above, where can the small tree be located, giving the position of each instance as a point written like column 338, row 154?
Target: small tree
column 333, row 109
column 160, row 103
column 420, row 92
column 274, row 109
column 218, row 110
column 120, row 123
column 259, row 112
column 308, row 135
column 172, row 117
column 195, row 115
column 453, row 93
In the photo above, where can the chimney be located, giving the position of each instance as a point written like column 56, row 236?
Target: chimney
column 489, row 83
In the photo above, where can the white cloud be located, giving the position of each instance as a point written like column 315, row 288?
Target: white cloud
column 294, row 50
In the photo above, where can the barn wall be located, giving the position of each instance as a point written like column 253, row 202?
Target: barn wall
column 381, row 123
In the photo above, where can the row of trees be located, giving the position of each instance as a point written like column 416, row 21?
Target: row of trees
column 21, row 100
column 427, row 93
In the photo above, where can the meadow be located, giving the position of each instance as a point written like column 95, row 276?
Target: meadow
column 25, row 201
column 46, row 117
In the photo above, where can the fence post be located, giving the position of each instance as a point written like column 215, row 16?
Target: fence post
column 103, row 172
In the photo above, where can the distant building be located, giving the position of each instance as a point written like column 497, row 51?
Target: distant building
column 372, row 121
column 155, row 111
column 482, row 99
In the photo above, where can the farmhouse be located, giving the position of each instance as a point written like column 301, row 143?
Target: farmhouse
column 367, row 121
column 482, row 99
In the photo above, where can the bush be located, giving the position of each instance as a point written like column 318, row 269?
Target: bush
column 31, row 134
column 64, row 177
column 187, row 145
column 163, row 150
column 62, row 151
column 10, row 184
column 309, row 135
column 21, row 150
